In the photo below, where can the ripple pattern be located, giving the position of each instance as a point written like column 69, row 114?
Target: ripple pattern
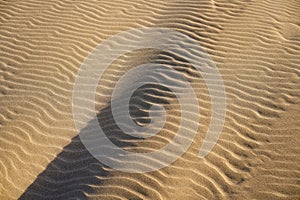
column 255, row 45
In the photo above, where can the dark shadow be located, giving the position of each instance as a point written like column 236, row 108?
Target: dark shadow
column 74, row 171
column 68, row 175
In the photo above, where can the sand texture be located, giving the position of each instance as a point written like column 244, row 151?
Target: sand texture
column 256, row 47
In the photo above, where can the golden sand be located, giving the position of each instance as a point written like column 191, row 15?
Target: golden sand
column 256, row 47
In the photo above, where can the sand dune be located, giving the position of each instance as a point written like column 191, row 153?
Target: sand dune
column 254, row 44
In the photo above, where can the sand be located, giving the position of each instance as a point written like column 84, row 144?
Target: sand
column 254, row 44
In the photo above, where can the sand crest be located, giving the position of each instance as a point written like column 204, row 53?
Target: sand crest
column 254, row 44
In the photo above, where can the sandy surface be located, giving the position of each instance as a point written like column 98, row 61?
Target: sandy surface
column 256, row 47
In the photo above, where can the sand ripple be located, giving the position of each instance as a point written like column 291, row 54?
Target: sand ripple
column 255, row 45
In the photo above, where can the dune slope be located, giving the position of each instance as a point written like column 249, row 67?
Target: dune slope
column 254, row 44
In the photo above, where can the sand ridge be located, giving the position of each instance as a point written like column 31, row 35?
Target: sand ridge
column 255, row 45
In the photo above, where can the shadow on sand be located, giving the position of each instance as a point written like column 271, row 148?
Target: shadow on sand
column 74, row 171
